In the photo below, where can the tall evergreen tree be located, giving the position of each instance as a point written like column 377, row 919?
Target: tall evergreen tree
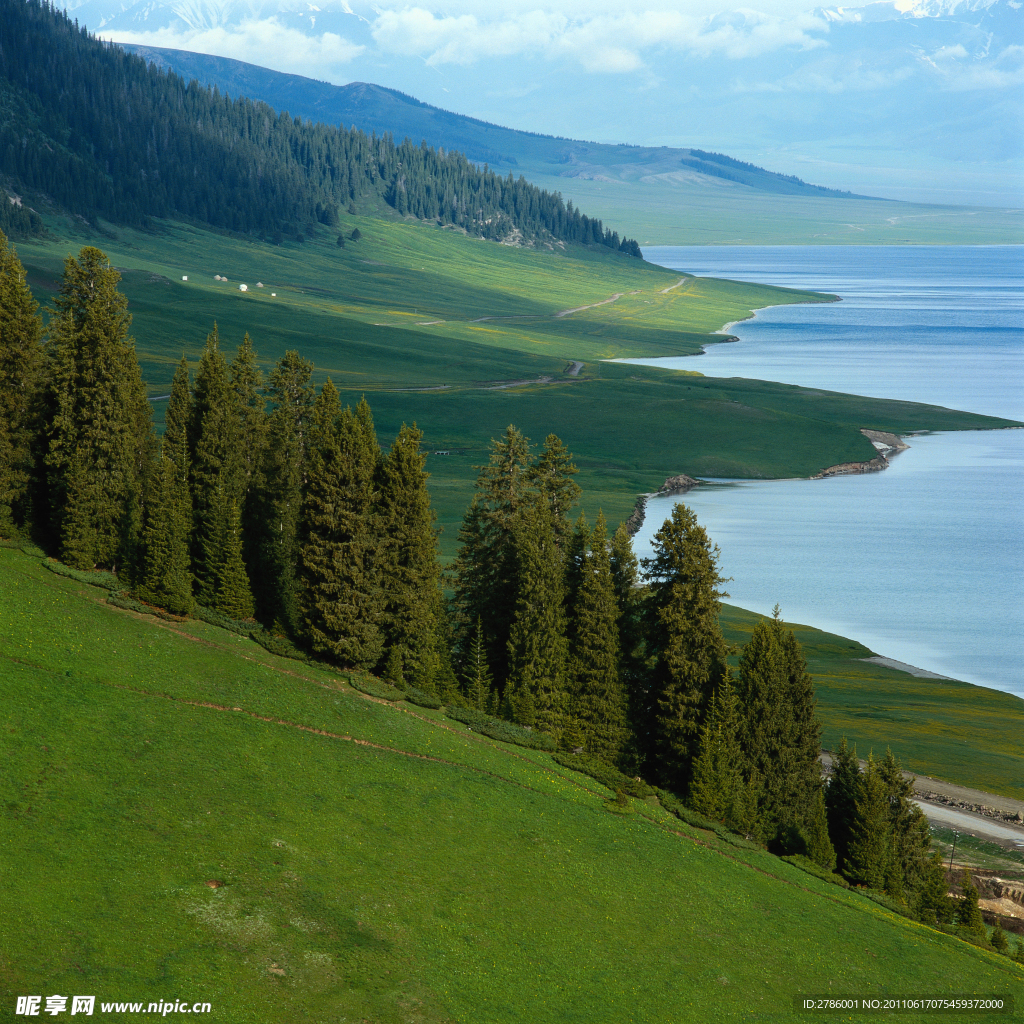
column 98, row 432
column 819, row 846
column 251, row 417
column 933, row 904
column 166, row 577
column 841, row 800
column 867, row 856
column 280, row 497
column 477, row 684
column 633, row 669
column 485, row 567
column 596, row 694
column 21, row 362
column 176, row 423
column 909, row 836
column 537, row 650
column 233, row 596
column 407, row 565
column 340, row 599
column 717, row 788
column 781, row 734
column 683, row 630
column 968, row 912
column 214, row 464
column 552, row 476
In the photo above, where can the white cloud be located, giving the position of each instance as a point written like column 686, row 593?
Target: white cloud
column 611, row 42
column 253, row 41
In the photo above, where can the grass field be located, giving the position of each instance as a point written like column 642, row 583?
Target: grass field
column 400, row 316
column 375, row 862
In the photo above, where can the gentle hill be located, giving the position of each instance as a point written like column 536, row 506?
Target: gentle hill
column 660, row 195
column 373, row 108
column 188, row 817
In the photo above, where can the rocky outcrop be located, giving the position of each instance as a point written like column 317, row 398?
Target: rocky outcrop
column 875, row 465
column 1013, row 817
column 678, row 484
column 636, row 519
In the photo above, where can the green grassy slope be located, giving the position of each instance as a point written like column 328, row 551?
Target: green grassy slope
column 403, row 309
column 377, row 863
column 950, row 730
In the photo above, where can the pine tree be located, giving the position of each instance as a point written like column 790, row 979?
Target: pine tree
column 537, row 650
column 233, row 596
column 909, row 836
column 867, row 857
column 552, row 476
column 633, row 669
column 476, row 677
column 968, row 913
column 276, row 518
column 596, row 694
column 683, row 629
column 98, row 432
column 21, row 363
column 717, row 788
column 407, row 566
column 250, row 412
column 340, row 599
column 214, row 465
column 998, row 940
column 176, row 422
column 166, row 573
column 841, row 800
column 933, row 904
column 819, row 846
column 485, row 566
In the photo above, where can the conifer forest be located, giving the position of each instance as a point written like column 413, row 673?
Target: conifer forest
column 269, row 506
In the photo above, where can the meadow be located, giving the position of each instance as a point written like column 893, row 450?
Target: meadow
column 188, row 816
column 462, row 336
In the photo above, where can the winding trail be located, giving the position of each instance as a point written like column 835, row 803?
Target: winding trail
column 593, row 305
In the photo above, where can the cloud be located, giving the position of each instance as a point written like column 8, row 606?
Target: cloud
column 253, row 41
column 611, row 42
column 960, row 72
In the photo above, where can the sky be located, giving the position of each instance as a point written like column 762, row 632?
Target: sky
column 908, row 99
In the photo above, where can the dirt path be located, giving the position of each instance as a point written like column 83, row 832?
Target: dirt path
column 593, row 305
column 671, row 286
column 573, row 369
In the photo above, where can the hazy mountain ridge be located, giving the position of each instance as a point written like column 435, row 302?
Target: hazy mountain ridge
column 373, row 108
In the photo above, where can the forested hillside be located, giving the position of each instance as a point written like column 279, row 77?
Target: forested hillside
column 100, row 133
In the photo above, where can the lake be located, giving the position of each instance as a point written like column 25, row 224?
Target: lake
column 925, row 561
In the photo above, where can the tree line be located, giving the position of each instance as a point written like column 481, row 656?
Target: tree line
column 102, row 133
column 267, row 499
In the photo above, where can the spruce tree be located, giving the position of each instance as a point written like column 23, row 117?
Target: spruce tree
column 998, row 940
column 537, row 650
column 909, row 836
column 819, row 846
column 485, row 566
column 781, row 736
column 717, row 787
column 552, row 477
column 933, row 904
column 98, row 436
column 21, row 363
column 233, row 596
column 166, row 564
column 276, row 543
column 633, row 668
column 596, row 694
column 683, row 628
column 968, row 913
column 176, row 423
column 340, row 599
column 214, row 465
column 407, row 565
column 867, row 857
column 476, row 679
column 251, row 417
column 841, row 799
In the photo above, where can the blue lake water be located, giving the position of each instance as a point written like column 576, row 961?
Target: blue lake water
column 925, row 561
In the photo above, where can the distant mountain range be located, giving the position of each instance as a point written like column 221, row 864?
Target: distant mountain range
column 373, row 108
